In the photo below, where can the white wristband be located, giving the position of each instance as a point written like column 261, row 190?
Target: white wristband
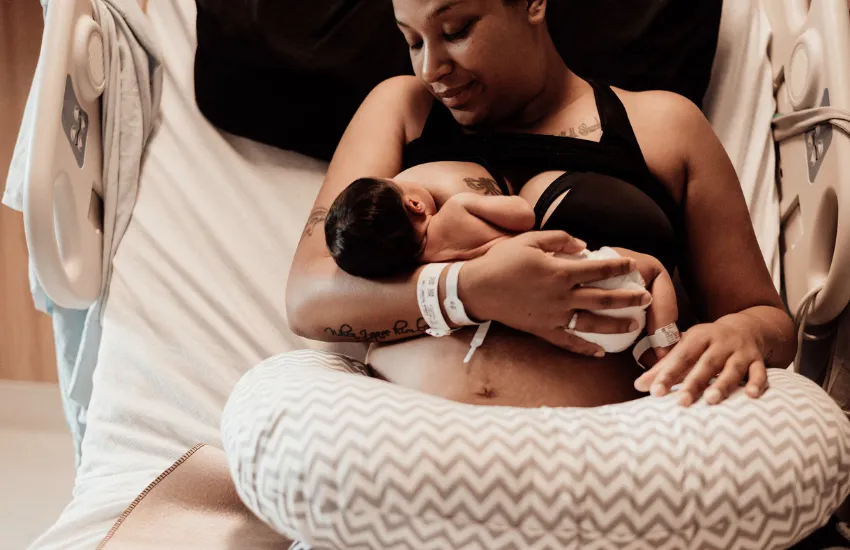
column 427, row 294
column 662, row 338
column 454, row 307
column 477, row 340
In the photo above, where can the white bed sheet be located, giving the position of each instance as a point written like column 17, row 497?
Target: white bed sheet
column 740, row 105
column 197, row 294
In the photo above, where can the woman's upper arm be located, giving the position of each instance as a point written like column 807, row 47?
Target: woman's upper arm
column 724, row 262
column 371, row 146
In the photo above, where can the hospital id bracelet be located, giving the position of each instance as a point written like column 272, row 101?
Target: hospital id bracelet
column 427, row 294
column 664, row 337
column 454, row 307
column 477, row 340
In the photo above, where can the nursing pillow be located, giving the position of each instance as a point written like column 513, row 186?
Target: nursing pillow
column 327, row 455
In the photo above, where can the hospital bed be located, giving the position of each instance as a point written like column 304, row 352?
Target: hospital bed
column 196, row 296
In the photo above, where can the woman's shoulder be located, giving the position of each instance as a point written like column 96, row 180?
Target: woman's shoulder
column 406, row 97
column 659, row 108
column 666, row 125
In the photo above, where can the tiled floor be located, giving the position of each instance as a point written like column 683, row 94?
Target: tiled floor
column 36, row 462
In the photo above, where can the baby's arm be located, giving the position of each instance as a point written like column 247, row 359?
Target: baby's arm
column 512, row 214
column 664, row 308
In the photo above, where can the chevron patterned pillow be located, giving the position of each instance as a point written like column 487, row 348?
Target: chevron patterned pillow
column 336, row 459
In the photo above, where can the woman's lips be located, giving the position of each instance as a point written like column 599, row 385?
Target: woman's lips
column 456, row 97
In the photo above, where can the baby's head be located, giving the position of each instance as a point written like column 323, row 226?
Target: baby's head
column 376, row 227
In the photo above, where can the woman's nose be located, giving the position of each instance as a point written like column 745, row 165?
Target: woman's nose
column 435, row 64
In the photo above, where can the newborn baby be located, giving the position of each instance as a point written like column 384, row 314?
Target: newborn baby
column 381, row 227
column 385, row 227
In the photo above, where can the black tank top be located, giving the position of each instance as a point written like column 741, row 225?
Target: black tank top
column 619, row 202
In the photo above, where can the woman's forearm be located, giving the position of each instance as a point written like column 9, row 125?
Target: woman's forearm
column 772, row 329
column 325, row 303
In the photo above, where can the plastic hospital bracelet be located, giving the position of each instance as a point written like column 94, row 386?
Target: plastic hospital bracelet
column 662, row 338
column 454, row 307
column 427, row 294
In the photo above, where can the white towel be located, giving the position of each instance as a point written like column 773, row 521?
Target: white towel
column 129, row 105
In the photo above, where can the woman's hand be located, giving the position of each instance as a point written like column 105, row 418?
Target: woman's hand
column 520, row 283
column 724, row 348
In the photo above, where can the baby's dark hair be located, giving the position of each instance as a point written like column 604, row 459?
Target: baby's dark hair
column 368, row 231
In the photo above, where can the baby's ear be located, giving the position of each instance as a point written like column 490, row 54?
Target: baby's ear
column 414, row 205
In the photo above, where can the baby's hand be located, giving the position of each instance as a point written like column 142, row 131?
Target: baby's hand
column 664, row 308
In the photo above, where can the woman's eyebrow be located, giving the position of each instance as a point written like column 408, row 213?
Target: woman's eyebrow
column 437, row 12
column 444, row 8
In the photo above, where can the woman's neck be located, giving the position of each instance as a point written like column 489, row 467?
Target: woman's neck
column 561, row 88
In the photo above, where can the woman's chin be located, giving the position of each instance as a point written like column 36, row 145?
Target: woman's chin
column 469, row 116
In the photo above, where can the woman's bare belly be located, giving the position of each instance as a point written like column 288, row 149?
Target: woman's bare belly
column 510, row 369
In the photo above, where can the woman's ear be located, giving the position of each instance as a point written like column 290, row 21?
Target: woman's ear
column 537, row 11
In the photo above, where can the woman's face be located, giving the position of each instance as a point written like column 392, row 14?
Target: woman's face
column 482, row 58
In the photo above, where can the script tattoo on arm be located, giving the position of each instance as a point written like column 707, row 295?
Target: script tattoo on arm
column 317, row 215
column 400, row 328
column 487, row 185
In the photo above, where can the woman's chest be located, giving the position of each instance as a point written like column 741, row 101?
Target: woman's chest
column 444, row 179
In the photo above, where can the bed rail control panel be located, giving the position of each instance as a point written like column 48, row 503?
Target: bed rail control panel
column 64, row 169
column 810, row 54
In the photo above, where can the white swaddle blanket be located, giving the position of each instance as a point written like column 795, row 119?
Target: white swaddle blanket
column 129, row 105
column 614, row 343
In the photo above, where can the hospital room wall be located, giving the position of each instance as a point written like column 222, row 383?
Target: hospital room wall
column 26, row 339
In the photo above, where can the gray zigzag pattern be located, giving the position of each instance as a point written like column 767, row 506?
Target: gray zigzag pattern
column 322, row 453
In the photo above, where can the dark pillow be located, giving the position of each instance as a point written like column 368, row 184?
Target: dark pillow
column 640, row 44
column 292, row 74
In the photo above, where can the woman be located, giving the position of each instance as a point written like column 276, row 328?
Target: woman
column 491, row 65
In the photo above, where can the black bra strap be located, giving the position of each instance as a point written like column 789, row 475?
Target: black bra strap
column 616, row 127
column 557, row 188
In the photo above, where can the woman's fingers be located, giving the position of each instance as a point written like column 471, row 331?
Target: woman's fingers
column 728, row 380
column 707, row 366
column 661, row 353
column 757, row 384
column 673, row 368
column 649, row 359
column 645, row 380
column 590, row 271
column 597, row 298
column 554, row 241
column 602, row 324
column 573, row 343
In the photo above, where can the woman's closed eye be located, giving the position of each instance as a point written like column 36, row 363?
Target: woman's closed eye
column 449, row 35
column 461, row 33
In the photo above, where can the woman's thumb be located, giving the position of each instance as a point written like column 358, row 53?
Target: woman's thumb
column 556, row 241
